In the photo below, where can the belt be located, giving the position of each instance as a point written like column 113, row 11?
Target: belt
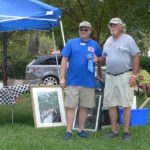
column 119, row 73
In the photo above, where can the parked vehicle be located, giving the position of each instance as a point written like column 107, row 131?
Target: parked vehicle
column 45, row 69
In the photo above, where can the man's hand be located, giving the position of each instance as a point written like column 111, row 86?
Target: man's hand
column 95, row 59
column 132, row 81
column 63, row 83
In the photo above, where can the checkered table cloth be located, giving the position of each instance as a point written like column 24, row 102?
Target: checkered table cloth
column 10, row 93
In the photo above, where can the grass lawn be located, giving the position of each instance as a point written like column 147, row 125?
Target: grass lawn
column 23, row 136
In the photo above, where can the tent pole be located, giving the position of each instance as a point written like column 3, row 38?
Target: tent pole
column 5, row 59
column 62, row 32
column 12, row 113
column 53, row 36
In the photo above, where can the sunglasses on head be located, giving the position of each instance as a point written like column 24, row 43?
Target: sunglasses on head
column 84, row 30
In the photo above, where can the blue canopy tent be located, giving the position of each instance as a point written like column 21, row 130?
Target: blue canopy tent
column 21, row 15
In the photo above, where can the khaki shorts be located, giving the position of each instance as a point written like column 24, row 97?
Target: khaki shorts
column 117, row 91
column 78, row 95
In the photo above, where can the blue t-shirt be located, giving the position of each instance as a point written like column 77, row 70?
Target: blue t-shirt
column 76, row 51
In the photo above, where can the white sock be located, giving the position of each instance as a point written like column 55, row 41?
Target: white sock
column 69, row 131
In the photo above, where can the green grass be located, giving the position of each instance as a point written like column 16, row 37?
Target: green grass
column 23, row 136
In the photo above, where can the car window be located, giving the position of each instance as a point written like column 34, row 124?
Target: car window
column 48, row 61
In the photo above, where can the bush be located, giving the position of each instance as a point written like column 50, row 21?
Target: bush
column 16, row 67
column 16, row 70
column 145, row 62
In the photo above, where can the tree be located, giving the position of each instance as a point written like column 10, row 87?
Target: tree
column 34, row 42
column 134, row 13
column 17, row 58
column 46, row 44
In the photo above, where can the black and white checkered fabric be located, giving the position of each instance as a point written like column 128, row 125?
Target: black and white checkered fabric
column 10, row 93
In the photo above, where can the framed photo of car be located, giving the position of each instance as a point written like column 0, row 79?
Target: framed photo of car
column 93, row 116
column 48, row 106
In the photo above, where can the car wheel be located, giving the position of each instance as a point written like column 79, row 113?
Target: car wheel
column 50, row 80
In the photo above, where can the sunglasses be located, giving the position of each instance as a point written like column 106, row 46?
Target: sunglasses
column 84, row 30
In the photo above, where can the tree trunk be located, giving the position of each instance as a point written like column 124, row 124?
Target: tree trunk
column 34, row 42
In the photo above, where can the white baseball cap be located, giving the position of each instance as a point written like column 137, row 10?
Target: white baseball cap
column 116, row 21
column 85, row 24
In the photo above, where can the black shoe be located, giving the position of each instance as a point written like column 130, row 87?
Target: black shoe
column 126, row 136
column 82, row 134
column 112, row 135
column 67, row 136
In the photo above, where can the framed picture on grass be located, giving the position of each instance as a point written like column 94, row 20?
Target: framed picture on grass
column 48, row 106
column 93, row 115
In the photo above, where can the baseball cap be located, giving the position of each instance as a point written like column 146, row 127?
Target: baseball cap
column 85, row 24
column 116, row 21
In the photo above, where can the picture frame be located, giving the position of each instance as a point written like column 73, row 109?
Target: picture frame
column 93, row 116
column 48, row 106
column 105, row 119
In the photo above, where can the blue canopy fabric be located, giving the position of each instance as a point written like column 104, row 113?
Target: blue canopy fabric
column 27, row 15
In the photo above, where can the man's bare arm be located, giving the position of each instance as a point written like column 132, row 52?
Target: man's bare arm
column 132, row 80
column 63, row 70
column 135, row 64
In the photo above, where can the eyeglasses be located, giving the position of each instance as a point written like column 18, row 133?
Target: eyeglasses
column 84, row 30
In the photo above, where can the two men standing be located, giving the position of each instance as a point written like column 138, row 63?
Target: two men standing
column 121, row 55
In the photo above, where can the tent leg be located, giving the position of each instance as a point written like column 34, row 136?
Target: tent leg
column 12, row 113
column 62, row 32
column 5, row 59
column 53, row 36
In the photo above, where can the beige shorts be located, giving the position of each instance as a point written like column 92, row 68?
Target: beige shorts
column 117, row 91
column 78, row 95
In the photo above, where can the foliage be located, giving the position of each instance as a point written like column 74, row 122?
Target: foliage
column 18, row 55
column 134, row 13
column 142, row 40
column 145, row 62
column 46, row 43
column 16, row 67
column 137, row 18
column 16, row 70
column 17, row 58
